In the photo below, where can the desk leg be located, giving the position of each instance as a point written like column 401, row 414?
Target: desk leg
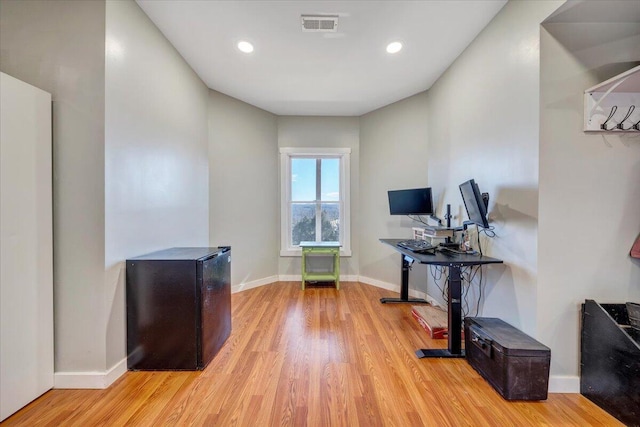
column 454, row 321
column 404, row 286
column 303, row 268
column 336, row 268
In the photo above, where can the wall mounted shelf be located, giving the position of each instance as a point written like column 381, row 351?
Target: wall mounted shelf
column 614, row 105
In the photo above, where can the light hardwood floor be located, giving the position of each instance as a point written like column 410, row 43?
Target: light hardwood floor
column 318, row 357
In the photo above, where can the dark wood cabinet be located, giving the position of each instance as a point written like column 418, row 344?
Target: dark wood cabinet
column 610, row 361
column 178, row 308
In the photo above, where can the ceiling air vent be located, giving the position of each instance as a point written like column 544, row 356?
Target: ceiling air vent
column 319, row 23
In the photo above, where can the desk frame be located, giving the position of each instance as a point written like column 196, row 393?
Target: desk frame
column 455, row 264
column 404, row 285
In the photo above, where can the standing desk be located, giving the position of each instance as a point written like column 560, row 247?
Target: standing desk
column 455, row 264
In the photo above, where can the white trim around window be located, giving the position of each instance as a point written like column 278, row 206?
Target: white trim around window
column 286, row 154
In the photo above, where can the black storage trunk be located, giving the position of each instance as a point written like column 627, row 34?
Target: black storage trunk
column 178, row 308
column 515, row 364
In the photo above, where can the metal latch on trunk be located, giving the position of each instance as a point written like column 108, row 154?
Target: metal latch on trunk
column 483, row 343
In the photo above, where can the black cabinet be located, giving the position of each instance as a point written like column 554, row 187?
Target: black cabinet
column 610, row 360
column 178, row 308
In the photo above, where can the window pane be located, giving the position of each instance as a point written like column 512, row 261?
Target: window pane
column 330, row 185
column 303, row 223
column 303, row 180
column 330, row 222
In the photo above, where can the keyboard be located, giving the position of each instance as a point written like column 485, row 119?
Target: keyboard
column 418, row 246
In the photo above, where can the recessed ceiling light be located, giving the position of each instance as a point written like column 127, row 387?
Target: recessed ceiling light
column 245, row 47
column 394, row 47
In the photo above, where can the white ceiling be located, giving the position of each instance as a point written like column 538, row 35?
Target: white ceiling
column 347, row 73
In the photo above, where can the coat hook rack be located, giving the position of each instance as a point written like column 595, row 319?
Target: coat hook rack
column 611, row 105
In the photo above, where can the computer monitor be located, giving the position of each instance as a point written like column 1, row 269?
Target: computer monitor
column 416, row 201
column 474, row 203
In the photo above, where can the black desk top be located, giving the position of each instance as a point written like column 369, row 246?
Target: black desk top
column 439, row 258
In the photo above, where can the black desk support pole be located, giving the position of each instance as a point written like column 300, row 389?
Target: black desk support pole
column 454, row 321
column 404, row 286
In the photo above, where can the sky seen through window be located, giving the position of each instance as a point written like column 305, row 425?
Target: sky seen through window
column 303, row 179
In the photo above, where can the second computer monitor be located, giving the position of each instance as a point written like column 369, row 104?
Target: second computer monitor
column 473, row 202
column 415, row 201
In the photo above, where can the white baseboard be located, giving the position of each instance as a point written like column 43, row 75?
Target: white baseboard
column 254, row 284
column 90, row 380
column 379, row 284
column 564, row 384
column 298, row 277
column 281, row 278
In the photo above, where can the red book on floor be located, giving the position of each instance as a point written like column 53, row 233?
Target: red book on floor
column 432, row 319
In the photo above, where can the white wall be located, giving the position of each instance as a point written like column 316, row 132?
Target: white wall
column 59, row 47
column 140, row 186
column 156, row 155
column 483, row 124
column 243, row 203
column 324, row 132
column 393, row 156
column 589, row 185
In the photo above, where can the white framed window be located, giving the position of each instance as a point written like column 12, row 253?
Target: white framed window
column 315, row 202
